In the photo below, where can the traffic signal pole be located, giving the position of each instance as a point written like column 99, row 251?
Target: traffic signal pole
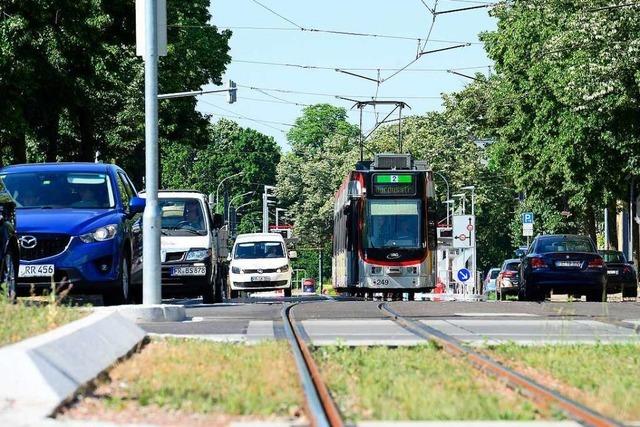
column 151, row 217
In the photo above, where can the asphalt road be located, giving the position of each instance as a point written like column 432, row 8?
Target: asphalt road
column 334, row 320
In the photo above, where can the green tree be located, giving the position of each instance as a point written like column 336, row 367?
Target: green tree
column 322, row 143
column 228, row 149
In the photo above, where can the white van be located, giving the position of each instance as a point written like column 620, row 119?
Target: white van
column 259, row 262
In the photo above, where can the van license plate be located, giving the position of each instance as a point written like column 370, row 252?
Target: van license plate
column 189, row 271
column 612, row 272
column 260, row 279
column 40, row 270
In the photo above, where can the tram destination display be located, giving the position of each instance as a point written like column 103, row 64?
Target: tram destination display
column 394, row 185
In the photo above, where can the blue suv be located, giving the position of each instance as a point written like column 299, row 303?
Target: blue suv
column 78, row 226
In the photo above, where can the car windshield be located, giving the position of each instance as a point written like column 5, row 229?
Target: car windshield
column 565, row 244
column 493, row 274
column 60, row 190
column 393, row 224
column 511, row 266
column 256, row 250
column 182, row 217
column 614, row 257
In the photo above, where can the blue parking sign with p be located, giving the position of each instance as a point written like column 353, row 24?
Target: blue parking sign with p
column 527, row 218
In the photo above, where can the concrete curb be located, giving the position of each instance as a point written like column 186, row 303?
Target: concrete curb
column 149, row 313
column 40, row 373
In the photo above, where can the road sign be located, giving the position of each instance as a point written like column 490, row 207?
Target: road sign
column 141, row 27
column 463, row 230
column 527, row 218
column 464, row 275
column 527, row 229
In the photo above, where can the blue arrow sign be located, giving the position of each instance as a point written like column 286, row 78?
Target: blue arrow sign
column 464, row 274
column 527, row 218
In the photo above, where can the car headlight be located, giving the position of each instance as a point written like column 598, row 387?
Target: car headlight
column 197, row 254
column 236, row 270
column 101, row 234
column 283, row 269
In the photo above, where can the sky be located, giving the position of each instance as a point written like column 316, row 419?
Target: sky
column 420, row 85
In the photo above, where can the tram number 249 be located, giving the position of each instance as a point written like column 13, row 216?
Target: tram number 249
column 381, row 282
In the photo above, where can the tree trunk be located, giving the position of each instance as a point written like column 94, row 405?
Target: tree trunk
column 612, row 213
column 87, row 150
column 52, row 138
column 590, row 225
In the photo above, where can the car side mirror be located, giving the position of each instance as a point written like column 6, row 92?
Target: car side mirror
column 218, row 220
column 229, row 257
column 137, row 205
column 631, row 262
column 293, row 254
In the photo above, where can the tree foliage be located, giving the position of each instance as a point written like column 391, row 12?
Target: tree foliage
column 72, row 84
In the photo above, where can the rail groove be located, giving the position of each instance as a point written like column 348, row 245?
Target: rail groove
column 321, row 408
column 539, row 393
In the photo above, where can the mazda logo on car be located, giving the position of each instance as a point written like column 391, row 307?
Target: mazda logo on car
column 393, row 255
column 28, row 242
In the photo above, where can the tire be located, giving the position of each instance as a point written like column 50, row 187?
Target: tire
column 234, row 294
column 218, row 293
column 596, row 296
column 8, row 276
column 121, row 294
column 208, row 293
column 287, row 293
column 527, row 294
column 631, row 292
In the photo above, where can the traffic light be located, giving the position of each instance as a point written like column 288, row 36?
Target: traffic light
column 231, row 93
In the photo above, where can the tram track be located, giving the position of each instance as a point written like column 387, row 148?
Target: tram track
column 321, row 409
column 539, row 393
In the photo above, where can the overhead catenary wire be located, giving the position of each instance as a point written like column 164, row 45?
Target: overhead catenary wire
column 332, row 68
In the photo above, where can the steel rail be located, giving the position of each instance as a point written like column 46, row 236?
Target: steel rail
column 321, row 408
column 541, row 394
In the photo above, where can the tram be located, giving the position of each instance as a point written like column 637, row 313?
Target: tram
column 384, row 236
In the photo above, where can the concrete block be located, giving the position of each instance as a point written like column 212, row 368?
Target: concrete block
column 40, row 373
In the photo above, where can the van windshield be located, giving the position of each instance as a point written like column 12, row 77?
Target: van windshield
column 181, row 216
column 257, row 250
column 59, row 190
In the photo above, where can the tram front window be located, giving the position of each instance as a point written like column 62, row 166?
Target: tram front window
column 393, row 224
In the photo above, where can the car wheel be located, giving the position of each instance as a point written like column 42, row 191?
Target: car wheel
column 596, row 296
column 219, row 289
column 630, row 292
column 287, row 292
column 120, row 295
column 234, row 294
column 208, row 292
column 8, row 276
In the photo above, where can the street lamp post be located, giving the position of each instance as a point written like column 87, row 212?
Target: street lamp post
column 151, row 217
column 278, row 216
column 448, row 196
column 221, row 182
column 473, row 236
column 234, row 198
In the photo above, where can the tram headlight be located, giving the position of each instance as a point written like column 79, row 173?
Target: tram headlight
column 412, row 270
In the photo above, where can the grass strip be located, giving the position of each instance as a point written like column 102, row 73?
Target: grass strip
column 23, row 320
column 415, row 383
column 201, row 377
column 601, row 376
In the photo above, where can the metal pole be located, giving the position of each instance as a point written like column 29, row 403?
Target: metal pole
column 475, row 231
column 151, row 217
column 606, row 228
column 320, row 268
column 631, row 196
column 277, row 210
column 400, row 128
column 361, row 146
column 265, row 211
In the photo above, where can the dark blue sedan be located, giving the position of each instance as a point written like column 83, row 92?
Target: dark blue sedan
column 78, row 227
column 565, row 264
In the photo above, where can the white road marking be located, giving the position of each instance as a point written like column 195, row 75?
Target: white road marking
column 495, row 315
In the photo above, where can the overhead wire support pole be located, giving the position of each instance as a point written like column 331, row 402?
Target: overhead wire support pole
column 464, row 9
column 426, row 52
column 357, row 75
column 464, row 75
